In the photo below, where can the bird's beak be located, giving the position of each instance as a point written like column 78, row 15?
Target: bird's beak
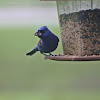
column 38, row 33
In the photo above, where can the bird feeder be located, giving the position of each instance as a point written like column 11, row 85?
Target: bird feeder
column 80, row 29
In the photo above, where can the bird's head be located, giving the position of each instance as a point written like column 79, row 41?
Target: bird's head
column 42, row 32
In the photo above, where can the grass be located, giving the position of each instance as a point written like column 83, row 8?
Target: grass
column 34, row 78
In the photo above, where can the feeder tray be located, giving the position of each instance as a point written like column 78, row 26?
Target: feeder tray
column 73, row 58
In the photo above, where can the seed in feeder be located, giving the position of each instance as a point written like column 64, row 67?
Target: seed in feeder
column 81, row 32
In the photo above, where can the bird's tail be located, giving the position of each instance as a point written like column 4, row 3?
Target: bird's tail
column 32, row 52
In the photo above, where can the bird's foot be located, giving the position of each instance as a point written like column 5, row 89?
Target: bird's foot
column 52, row 54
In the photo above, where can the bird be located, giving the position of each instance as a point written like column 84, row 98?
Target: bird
column 48, row 42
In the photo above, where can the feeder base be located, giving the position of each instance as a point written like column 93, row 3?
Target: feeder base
column 73, row 58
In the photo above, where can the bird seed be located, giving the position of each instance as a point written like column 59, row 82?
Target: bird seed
column 81, row 32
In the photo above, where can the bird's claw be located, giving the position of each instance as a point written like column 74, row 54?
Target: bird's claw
column 49, row 55
column 52, row 54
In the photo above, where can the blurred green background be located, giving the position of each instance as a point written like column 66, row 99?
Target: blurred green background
column 34, row 78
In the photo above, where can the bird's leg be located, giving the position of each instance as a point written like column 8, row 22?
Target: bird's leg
column 51, row 54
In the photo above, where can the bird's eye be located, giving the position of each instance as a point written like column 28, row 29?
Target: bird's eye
column 42, row 31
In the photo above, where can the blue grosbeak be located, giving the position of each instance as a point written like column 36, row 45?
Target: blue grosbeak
column 48, row 41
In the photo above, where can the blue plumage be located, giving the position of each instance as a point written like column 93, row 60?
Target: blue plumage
column 48, row 41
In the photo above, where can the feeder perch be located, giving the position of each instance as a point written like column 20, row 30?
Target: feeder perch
column 80, row 29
